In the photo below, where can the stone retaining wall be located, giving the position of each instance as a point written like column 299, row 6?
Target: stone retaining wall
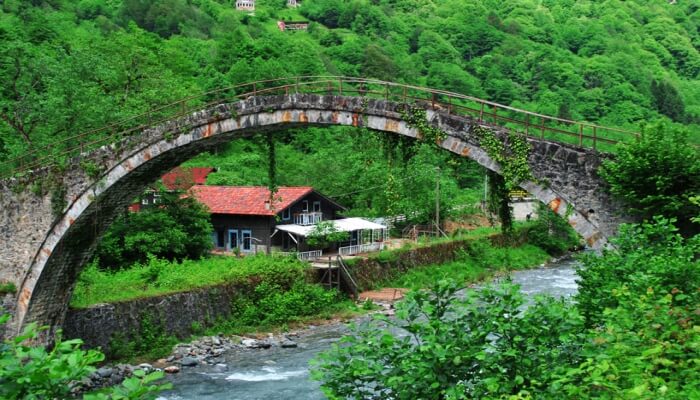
column 367, row 272
column 175, row 314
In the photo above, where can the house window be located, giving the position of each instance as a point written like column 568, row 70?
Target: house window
column 317, row 206
column 305, row 206
column 246, row 239
column 156, row 198
column 144, row 201
column 287, row 214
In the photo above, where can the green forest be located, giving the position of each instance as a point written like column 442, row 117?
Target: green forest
column 67, row 67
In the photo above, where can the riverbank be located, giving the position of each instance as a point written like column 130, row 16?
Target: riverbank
column 282, row 299
column 207, row 351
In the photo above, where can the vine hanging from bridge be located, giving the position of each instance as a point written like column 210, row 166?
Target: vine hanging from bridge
column 511, row 154
column 417, row 117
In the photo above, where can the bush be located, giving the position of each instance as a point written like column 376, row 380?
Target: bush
column 551, row 232
column 175, row 229
column 480, row 346
column 649, row 255
column 633, row 334
column 33, row 372
column 657, row 174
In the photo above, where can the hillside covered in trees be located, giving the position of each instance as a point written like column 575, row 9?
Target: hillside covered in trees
column 67, row 66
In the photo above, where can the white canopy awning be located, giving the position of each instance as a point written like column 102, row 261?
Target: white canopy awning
column 343, row 225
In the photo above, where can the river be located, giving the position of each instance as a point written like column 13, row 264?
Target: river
column 284, row 373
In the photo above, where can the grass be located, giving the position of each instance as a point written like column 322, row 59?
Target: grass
column 160, row 277
column 482, row 262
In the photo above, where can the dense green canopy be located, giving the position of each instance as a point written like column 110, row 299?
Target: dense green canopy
column 67, row 66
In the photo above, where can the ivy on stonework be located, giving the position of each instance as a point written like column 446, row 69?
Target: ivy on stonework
column 417, row 117
column 511, row 154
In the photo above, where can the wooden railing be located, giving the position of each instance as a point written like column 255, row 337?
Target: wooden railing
column 481, row 111
column 347, row 277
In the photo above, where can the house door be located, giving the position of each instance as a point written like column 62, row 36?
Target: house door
column 232, row 239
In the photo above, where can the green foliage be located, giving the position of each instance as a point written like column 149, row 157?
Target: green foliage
column 139, row 386
column 667, row 100
column 498, row 202
column 417, row 117
column 270, row 304
column 150, row 341
column 92, row 170
column 649, row 255
column 324, row 233
column 159, row 276
column 174, row 229
column 453, row 347
column 7, row 288
column 511, row 154
column 478, row 261
column 33, row 372
column 632, row 333
column 58, row 199
column 657, row 174
column 551, row 232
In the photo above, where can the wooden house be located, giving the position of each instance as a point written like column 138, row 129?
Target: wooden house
column 246, row 221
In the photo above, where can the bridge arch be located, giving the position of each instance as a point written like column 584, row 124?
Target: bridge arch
column 45, row 282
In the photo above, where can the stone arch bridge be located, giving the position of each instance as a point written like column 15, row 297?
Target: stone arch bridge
column 47, row 235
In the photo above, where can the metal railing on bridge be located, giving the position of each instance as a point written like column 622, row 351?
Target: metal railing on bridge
column 482, row 111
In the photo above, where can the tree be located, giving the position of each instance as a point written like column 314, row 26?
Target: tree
column 176, row 228
column 324, row 233
column 667, row 100
column 657, row 175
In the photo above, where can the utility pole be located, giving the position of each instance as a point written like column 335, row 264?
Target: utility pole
column 437, row 202
column 437, row 199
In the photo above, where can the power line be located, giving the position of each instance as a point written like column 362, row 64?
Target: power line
column 335, row 196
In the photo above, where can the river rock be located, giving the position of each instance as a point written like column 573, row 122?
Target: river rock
column 189, row 361
column 220, row 367
column 288, row 344
column 215, row 341
column 253, row 343
column 173, row 369
column 146, row 367
column 105, row 372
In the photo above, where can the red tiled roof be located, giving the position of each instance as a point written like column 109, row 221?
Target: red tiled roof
column 247, row 200
column 184, row 178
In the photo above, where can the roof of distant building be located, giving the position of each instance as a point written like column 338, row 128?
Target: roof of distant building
column 184, row 178
column 248, row 200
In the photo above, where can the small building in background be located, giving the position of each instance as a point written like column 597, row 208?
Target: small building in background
column 293, row 3
column 293, row 25
column 245, row 5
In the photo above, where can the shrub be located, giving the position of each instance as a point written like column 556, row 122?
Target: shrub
column 657, row 174
column 33, row 372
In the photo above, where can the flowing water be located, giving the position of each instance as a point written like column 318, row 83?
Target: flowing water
column 284, row 373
